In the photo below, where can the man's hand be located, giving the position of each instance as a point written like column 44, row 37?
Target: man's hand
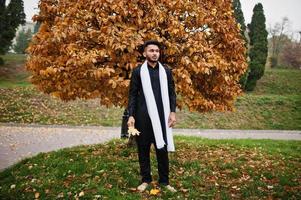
column 131, row 121
column 172, row 119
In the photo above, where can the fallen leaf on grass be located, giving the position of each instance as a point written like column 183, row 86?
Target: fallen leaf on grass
column 97, row 196
column 36, row 195
column 154, row 192
column 184, row 190
column 81, row 194
column 109, row 186
column 270, row 187
column 60, row 195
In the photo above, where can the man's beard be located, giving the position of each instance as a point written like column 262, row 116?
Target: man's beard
column 151, row 60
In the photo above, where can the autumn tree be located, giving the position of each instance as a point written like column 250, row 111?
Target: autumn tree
column 22, row 40
column 259, row 46
column 276, row 46
column 291, row 55
column 278, row 39
column 11, row 16
column 87, row 49
column 239, row 16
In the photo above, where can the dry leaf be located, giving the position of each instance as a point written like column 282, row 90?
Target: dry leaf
column 133, row 131
column 154, row 192
column 36, row 195
column 81, row 194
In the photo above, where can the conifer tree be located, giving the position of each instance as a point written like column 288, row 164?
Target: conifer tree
column 239, row 16
column 259, row 46
column 11, row 16
column 2, row 25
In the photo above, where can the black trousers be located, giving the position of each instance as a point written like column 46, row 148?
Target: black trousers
column 162, row 161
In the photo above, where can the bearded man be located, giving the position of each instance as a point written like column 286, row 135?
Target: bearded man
column 152, row 106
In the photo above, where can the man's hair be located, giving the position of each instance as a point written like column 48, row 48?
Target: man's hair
column 151, row 42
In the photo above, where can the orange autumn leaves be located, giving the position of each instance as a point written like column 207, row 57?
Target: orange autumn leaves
column 87, row 49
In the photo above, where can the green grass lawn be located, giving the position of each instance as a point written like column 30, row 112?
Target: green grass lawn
column 13, row 58
column 26, row 105
column 279, row 82
column 275, row 104
column 199, row 169
column 12, row 73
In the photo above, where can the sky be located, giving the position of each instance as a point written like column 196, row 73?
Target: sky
column 274, row 10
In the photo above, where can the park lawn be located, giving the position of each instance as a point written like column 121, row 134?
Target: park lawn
column 279, row 82
column 12, row 73
column 26, row 105
column 199, row 169
column 252, row 112
column 14, row 58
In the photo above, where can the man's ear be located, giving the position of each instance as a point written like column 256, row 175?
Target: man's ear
column 144, row 54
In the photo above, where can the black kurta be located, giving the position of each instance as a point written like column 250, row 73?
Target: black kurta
column 137, row 104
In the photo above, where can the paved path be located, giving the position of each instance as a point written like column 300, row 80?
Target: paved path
column 19, row 141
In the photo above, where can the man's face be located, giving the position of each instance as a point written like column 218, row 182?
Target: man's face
column 152, row 53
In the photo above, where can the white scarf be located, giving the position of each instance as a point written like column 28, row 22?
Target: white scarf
column 152, row 106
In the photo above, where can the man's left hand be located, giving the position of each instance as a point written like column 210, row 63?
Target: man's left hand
column 172, row 119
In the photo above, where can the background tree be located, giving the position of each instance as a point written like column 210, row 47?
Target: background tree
column 2, row 17
column 258, row 46
column 22, row 41
column 11, row 16
column 278, row 40
column 291, row 55
column 239, row 16
column 87, row 49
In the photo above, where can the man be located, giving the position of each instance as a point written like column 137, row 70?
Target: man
column 152, row 105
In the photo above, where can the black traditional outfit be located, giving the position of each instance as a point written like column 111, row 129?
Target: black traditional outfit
column 137, row 108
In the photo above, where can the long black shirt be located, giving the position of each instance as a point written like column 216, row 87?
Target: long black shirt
column 155, row 81
column 137, row 105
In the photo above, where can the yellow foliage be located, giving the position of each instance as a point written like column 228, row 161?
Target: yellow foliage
column 87, row 49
